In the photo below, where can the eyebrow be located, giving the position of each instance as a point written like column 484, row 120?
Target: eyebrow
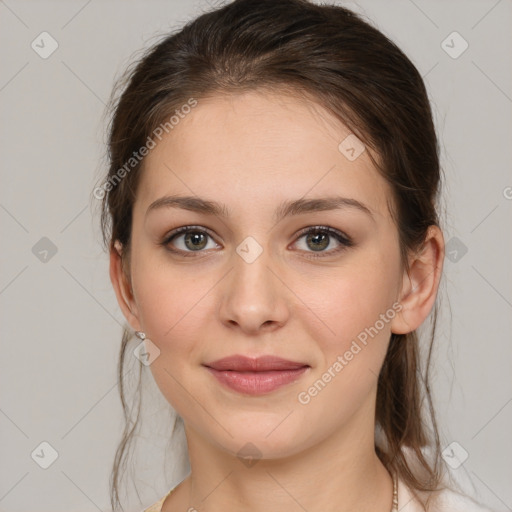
column 285, row 209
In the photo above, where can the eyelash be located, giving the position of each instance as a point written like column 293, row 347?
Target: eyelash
column 344, row 240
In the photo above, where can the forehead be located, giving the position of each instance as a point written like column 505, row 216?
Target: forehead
column 260, row 147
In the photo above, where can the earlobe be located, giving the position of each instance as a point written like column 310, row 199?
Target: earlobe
column 420, row 284
column 122, row 287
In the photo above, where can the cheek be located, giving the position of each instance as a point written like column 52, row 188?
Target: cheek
column 172, row 314
column 171, row 305
column 161, row 294
column 356, row 308
column 353, row 307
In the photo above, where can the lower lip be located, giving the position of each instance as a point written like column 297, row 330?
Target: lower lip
column 257, row 383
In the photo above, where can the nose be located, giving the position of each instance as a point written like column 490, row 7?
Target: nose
column 254, row 296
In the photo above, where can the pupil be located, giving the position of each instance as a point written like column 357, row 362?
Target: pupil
column 315, row 237
column 195, row 237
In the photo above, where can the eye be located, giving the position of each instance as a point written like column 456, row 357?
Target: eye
column 320, row 237
column 193, row 239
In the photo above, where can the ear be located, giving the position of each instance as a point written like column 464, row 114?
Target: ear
column 419, row 285
column 122, row 287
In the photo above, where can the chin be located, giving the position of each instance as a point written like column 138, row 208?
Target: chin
column 262, row 441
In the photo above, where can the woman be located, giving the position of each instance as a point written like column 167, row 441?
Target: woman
column 270, row 211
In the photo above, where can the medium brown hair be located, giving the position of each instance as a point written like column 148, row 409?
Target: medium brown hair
column 342, row 62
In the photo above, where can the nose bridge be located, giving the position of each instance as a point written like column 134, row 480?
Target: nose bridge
column 254, row 296
column 252, row 263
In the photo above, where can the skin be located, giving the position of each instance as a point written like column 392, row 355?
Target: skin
column 250, row 152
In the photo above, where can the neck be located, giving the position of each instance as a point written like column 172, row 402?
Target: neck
column 341, row 473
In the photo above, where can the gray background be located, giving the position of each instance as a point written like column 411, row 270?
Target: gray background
column 60, row 323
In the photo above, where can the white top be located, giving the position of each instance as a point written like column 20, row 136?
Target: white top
column 447, row 501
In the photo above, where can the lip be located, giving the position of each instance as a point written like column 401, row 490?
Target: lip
column 241, row 363
column 256, row 376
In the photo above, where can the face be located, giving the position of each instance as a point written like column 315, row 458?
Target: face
column 316, row 286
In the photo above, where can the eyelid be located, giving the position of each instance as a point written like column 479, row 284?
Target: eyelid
column 328, row 229
column 183, row 230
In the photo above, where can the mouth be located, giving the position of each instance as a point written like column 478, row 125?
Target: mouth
column 257, row 376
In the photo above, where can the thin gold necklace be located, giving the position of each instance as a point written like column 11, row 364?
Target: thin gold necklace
column 394, row 508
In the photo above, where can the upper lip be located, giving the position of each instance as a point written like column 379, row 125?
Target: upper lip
column 241, row 363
